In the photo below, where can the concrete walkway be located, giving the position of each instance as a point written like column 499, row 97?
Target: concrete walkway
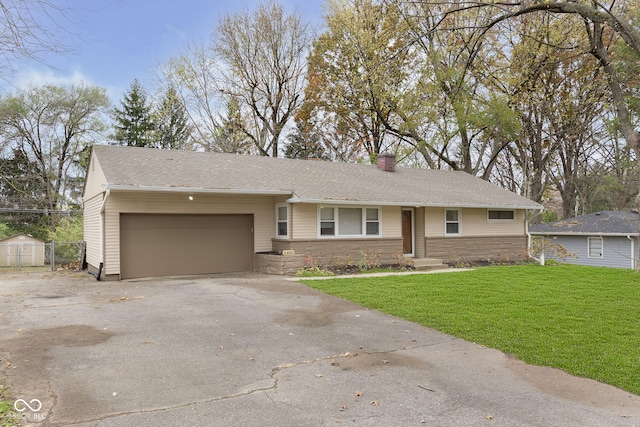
column 382, row 274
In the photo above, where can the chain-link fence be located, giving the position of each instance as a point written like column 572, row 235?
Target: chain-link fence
column 34, row 256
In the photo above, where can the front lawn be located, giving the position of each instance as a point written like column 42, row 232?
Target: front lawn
column 583, row 320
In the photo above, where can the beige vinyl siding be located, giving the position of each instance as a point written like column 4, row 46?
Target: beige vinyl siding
column 473, row 222
column 96, row 181
column 304, row 223
column 391, row 221
column 433, row 222
column 92, row 229
column 419, row 224
column 261, row 207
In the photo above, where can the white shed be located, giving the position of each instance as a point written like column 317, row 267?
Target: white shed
column 21, row 250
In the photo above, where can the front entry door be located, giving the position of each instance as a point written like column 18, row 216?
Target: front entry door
column 407, row 231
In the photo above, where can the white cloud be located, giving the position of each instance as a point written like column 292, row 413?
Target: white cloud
column 28, row 77
column 38, row 77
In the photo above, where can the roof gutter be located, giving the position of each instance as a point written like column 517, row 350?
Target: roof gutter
column 567, row 233
column 414, row 204
column 191, row 190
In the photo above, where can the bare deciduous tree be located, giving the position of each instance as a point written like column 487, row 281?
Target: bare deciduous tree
column 50, row 127
column 255, row 61
column 600, row 20
column 29, row 29
column 263, row 65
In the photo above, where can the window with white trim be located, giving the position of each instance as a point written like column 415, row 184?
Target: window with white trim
column 452, row 222
column 349, row 221
column 282, row 220
column 595, row 247
column 500, row 215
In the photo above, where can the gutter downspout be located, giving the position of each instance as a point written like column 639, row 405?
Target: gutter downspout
column 526, row 230
column 102, row 207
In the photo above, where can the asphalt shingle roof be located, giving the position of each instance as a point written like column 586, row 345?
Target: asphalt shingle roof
column 305, row 180
column 604, row 222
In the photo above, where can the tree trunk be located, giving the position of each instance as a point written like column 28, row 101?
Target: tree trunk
column 617, row 96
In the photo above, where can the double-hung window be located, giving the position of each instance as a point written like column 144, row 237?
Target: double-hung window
column 338, row 221
column 282, row 221
column 595, row 247
column 452, row 222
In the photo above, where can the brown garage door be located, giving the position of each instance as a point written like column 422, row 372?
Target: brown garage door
column 167, row 245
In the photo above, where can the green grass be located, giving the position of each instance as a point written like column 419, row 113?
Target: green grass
column 7, row 413
column 583, row 320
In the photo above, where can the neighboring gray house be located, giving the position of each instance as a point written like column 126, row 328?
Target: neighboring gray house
column 605, row 239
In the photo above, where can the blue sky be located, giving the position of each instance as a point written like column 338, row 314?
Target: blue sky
column 116, row 41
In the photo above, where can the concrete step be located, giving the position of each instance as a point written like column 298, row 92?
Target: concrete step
column 429, row 264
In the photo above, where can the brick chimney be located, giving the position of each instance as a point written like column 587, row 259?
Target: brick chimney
column 387, row 162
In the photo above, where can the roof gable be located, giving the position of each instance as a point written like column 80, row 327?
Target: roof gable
column 604, row 222
column 134, row 169
column 20, row 237
column 95, row 180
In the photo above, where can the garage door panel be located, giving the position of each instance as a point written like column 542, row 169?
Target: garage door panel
column 162, row 245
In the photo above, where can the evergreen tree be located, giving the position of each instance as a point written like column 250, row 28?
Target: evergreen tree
column 230, row 136
column 134, row 125
column 172, row 129
column 305, row 144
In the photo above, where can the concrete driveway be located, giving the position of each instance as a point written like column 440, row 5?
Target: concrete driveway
column 255, row 350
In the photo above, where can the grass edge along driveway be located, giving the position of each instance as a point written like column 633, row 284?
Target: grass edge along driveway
column 583, row 320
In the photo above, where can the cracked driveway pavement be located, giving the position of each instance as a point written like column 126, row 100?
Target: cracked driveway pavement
column 260, row 350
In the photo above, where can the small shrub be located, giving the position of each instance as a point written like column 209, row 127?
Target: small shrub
column 366, row 262
column 540, row 244
column 314, row 272
column 460, row 263
column 404, row 262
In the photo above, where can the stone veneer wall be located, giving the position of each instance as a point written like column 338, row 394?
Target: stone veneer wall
column 333, row 252
column 278, row 264
column 498, row 248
